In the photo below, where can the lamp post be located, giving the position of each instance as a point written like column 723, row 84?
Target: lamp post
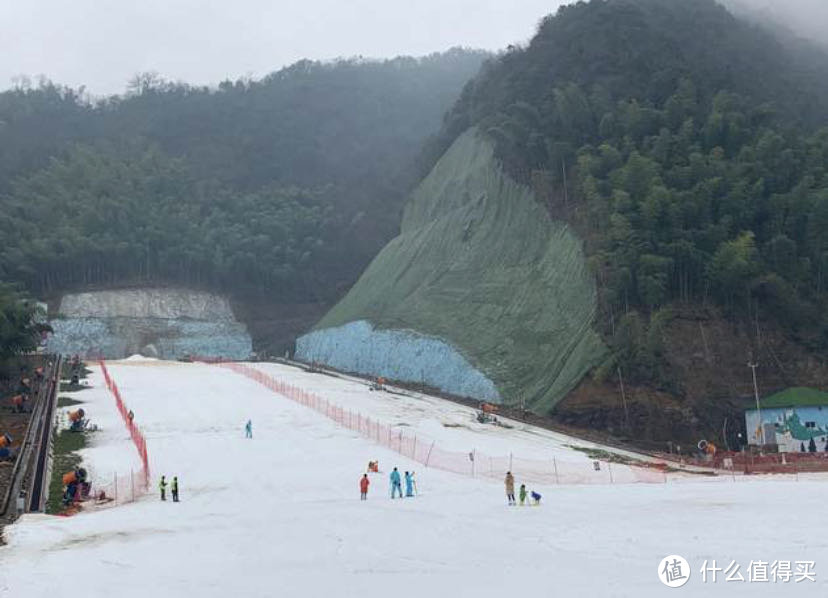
column 753, row 365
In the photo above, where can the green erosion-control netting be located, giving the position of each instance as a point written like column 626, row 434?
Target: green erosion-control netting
column 480, row 264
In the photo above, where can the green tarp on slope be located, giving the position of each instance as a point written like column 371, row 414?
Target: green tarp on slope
column 480, row 264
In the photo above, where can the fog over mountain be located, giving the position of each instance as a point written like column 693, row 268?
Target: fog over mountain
column 806, row 18
column 103, row 44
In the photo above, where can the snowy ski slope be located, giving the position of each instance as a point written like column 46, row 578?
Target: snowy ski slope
column 280, row 515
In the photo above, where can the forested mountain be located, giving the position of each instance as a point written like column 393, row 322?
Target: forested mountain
column 689, row 149
column 695, row 150
column 281, row 188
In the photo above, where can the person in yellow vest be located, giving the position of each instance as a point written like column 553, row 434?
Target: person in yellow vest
column 174, row 488
column 162, row 486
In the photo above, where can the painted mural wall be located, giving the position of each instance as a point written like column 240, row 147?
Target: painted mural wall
column 792, row 428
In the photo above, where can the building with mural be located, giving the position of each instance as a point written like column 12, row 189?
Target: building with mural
column 795, row 419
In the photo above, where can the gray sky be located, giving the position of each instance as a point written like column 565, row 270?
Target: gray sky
column 808, row 18
column 102, row 43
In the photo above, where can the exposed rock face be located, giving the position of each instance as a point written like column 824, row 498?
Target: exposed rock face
column 162, row 323
column 166, row 304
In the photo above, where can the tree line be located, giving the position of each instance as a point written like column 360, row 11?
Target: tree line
column 281, row 188
column 690, row 149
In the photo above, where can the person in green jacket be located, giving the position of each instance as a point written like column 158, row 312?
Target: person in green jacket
column 162, row 486
column 522, row 494
column 174, row 488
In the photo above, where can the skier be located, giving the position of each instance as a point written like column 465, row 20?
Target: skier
column 174, row 488
column 409, row 485
column 522, row 494
column 395, row 483
column 248, row 429
column 363, row 487
column 162, row 486
column 535, row 498
column 510, row 488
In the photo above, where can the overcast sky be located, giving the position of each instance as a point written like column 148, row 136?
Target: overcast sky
column 808, row 18
column 102, row 43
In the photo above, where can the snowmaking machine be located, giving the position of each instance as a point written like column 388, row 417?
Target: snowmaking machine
column 77, row 420
column 75, row 485
column 486, row 414
column 378, row 384
column 6, row 451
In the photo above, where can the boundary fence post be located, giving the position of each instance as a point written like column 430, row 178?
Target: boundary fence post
column 428, row 456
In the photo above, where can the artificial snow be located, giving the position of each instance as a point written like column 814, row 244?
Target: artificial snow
column 280, row 515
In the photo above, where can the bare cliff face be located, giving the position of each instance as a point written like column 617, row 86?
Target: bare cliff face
column 164, row 323
column 165, row 304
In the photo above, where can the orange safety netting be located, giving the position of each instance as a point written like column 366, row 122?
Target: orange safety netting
column 472, row 463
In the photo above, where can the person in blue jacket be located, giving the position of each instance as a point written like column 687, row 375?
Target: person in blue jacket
column 409, row 484
column 395, row 483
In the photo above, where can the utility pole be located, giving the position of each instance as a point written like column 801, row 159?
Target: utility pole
column 753, row 365
column 623, row 398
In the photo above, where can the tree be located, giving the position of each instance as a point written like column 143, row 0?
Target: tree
column 734, row 264
column 19, row 327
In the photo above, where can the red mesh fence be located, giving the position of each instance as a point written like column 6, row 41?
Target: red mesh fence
column 472, row 463
column 749, row 462
column 120, row 489
column 134, row 432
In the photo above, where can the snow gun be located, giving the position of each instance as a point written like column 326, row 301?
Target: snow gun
column 486, row 413
column 76, row 420
column 75, row 484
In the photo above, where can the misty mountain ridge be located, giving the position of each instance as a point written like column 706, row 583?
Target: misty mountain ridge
column 798, row 19
column 688, row 149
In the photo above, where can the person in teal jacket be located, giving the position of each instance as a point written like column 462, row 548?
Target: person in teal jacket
column 409, row 484
column 395, row 483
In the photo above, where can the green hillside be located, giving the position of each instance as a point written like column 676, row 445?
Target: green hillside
column 693, row 150
column 281, row 188
column 688, row 150
column 480, row 264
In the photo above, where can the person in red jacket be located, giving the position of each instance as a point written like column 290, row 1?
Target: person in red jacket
column 363, row 487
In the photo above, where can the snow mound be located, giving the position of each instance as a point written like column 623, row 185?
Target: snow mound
column 139, row 357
